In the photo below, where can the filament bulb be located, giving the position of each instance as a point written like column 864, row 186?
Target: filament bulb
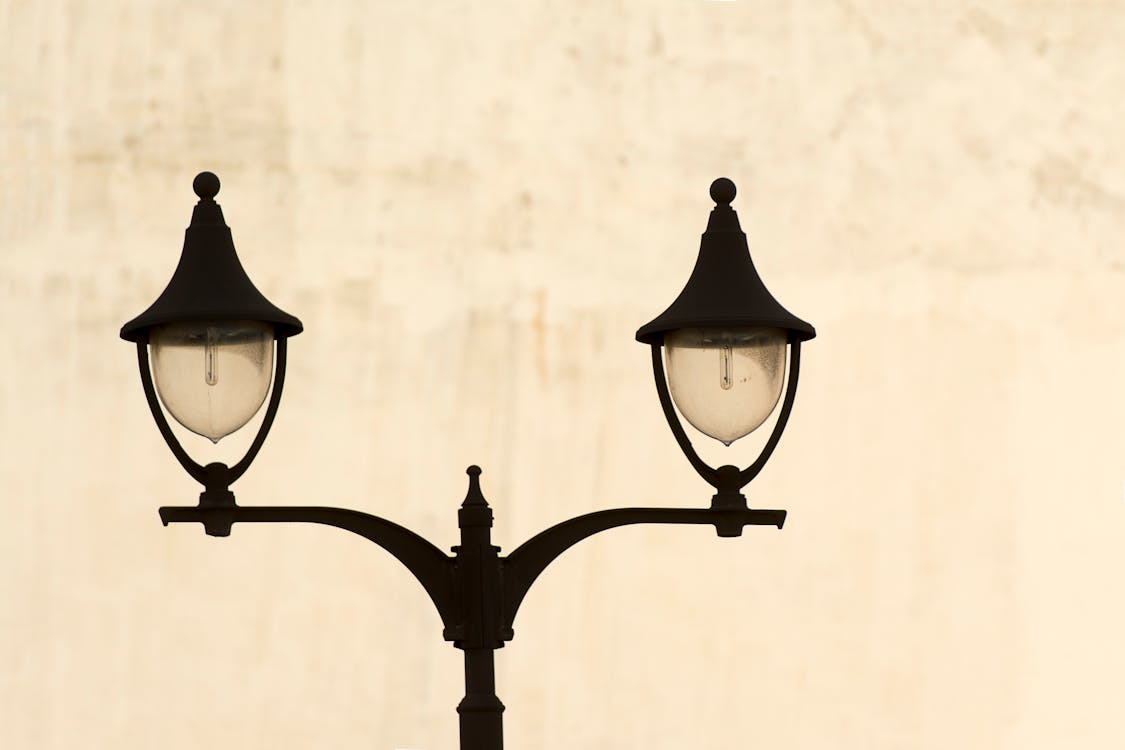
column 726, row 368
column 211, row 356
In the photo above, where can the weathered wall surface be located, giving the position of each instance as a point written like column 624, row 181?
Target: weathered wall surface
column 473, row 207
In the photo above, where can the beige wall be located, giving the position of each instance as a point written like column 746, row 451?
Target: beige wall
column 473, row 207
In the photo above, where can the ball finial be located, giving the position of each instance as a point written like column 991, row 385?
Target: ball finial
column 206, row 185
column 723, row 191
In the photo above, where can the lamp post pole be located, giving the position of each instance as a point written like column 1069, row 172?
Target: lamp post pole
column 210, row 311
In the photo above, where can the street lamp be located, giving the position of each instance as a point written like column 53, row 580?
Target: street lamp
column 216, row 342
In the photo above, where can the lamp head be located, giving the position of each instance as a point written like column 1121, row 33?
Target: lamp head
column 724, row 336
column 210, row 331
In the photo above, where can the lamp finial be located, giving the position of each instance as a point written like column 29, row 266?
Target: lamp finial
column 206, row 185
column 723, row 191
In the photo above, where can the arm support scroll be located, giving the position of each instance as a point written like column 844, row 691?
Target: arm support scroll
column 531, row 558
column 433, row 569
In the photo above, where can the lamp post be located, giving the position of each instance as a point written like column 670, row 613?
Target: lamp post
column 209, row 344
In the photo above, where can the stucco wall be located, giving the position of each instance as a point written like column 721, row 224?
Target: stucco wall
column 472, row 207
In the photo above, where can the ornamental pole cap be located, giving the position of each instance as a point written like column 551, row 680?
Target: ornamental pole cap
column 209, row 283
column 206, row 185
column 724, row 290
column 723, row 190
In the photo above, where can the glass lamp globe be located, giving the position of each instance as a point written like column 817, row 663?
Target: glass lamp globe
column 212, row 376
column 725, row 381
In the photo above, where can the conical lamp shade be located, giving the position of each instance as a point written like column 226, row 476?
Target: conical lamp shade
column 209, row 283
column 724, row 290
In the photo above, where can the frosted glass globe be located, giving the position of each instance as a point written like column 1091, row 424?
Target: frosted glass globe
column 725, row 381
column 212, row 377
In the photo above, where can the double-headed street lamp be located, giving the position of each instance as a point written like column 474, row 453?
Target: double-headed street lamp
column 210, row 345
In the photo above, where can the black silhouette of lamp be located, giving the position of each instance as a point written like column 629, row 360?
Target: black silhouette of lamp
column 725, row 338
column 212, row 337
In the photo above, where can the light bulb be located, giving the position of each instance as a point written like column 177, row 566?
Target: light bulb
column 212, row 376
column 725, row 381
column 210, row 354
column 726, row 376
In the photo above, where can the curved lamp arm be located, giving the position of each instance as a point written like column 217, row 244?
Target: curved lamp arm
column 213, row 476
column 433, row 569
column 726, row 478
column 531, row 558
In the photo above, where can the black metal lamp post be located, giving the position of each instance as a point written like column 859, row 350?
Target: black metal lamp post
column 212, row 337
